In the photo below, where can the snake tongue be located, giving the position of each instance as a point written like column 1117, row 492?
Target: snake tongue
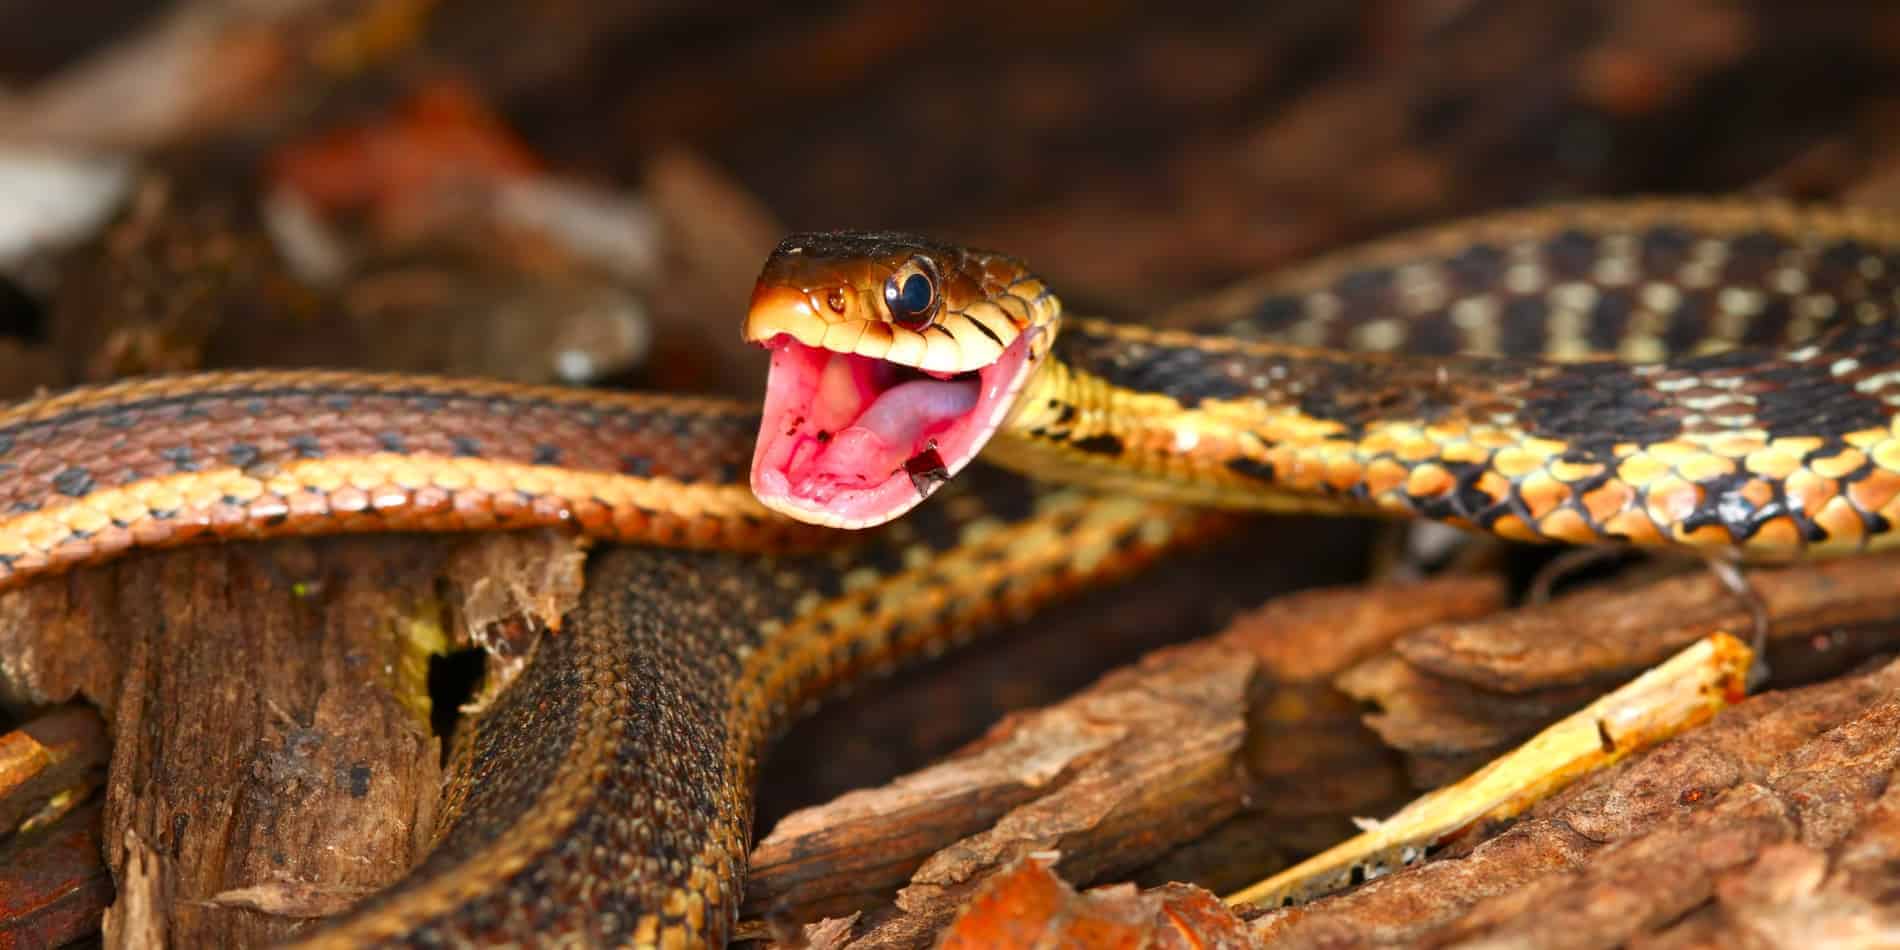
column 902, row 414
column 886, row 436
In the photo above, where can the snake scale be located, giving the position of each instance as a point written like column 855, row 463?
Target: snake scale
column 1718, row 375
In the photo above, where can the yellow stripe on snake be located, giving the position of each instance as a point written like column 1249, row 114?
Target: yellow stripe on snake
column 1717, row 375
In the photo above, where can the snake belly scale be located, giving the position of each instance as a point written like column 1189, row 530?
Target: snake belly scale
column 1718, row 375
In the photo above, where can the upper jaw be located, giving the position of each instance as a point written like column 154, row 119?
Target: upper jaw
column 785, row 311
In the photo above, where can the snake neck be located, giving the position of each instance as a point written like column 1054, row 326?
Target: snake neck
column 1701, row 452
column 1155, row 439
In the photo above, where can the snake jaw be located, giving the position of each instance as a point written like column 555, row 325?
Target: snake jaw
column 894, row 359
column 850, row 441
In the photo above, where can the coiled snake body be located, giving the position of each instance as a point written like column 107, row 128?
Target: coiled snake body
column 1714, row 375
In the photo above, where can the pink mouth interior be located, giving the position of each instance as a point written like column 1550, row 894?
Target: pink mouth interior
column 851, row 441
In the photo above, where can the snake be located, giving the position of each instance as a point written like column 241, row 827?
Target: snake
column 1702, row 374
column 1714, row 375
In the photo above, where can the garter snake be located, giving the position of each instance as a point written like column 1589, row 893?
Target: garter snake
column 1461, row 373
column 1713, row 375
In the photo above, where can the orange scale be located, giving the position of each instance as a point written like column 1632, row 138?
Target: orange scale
column 1642, row 470
column 551, row 508
column 1878, row 442
column 43, row 533
column 592, row 516
column 1496, row 439
column 1464, row 451
column 1306, row 473
column 1673, row 453
column 150, row 531
column 114, row 540
column 1516, row 463
column 431, row 499
column 83, row 517
column 1875, row 490
column 348, row 499
column 1513, row 528
column 1574, row 471
column 1378, row 442
column 1567, row 525
column 230, row 520
column 1608, row 500
column 1495, row 486
column 1417, row 450
column 1671, row 500
column 1429, row 481
column 1847, row 462
column 1807, row 491
column 1842, row 522
column 1541, row 493
column 1757, row 492
column 1772, row 462
column 1776, row 534
column 389, row 498
column 266, row 508
column 1705, row 468
column 1737, row 446
column 1383, row 475
column 507, row 505
column 473, row 509
column 1344, row 473
column 307, row 504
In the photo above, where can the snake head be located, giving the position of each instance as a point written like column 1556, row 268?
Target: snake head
column 894, row 359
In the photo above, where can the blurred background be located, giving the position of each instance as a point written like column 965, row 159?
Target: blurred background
column 649, row 154
column 583, row 191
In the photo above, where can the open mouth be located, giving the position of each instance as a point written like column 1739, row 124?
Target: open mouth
column 853, row 441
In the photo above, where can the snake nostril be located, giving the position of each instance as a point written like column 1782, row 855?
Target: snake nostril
column 834, row 298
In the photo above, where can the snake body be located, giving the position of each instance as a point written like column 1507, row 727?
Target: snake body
column 1718, row 376
column 1706, row 374
column 606, row 797
column 606, row 800
column 1715, row 375
column 167, row 460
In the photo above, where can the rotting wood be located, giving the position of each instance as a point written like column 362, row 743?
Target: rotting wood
column 1670, row 839
column 1148, row 758
column 1456, row 694
column 261, row 699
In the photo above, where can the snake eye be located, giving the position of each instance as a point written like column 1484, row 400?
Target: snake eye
column 911, row 298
